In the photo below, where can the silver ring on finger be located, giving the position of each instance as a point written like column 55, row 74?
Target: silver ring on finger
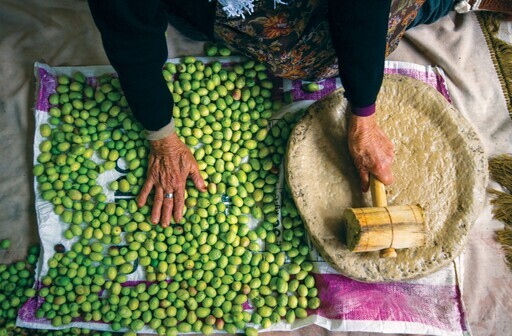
column 169, row 195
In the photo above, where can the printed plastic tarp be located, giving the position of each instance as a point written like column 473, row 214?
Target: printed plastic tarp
column 430, row 305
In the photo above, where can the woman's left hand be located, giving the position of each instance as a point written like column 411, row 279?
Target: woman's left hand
column 371, row 150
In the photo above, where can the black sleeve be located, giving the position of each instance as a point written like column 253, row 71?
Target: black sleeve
column 133, row 35
column 358, row 32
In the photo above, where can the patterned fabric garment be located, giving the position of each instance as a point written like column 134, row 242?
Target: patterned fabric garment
column 293, row 40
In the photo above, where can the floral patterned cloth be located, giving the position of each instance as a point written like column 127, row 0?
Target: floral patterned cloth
column 293, row 40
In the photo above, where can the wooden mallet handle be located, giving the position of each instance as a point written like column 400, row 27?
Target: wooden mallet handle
column 378, row 191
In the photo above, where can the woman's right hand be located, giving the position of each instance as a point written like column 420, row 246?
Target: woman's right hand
column 371, row 150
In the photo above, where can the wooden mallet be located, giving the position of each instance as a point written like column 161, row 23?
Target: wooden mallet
column 384, row 228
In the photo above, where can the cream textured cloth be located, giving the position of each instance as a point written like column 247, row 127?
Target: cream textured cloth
column 457, row 45
column 61, row 32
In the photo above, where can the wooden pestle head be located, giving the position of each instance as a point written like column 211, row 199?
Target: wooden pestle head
column 378, row 228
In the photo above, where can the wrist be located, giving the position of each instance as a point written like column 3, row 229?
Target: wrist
column 359, row 124
column 162, row 133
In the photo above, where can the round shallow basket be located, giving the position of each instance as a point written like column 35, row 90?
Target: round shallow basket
column 439, row 164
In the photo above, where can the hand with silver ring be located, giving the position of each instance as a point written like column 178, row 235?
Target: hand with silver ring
column 170, row 164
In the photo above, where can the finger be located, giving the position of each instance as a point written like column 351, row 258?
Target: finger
column 365, row 178
column 144, row 192
column 157, row 205
column 383, row 173
column 385, row 177
column 179, row 201
column 166, row 211
column 197, row 178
